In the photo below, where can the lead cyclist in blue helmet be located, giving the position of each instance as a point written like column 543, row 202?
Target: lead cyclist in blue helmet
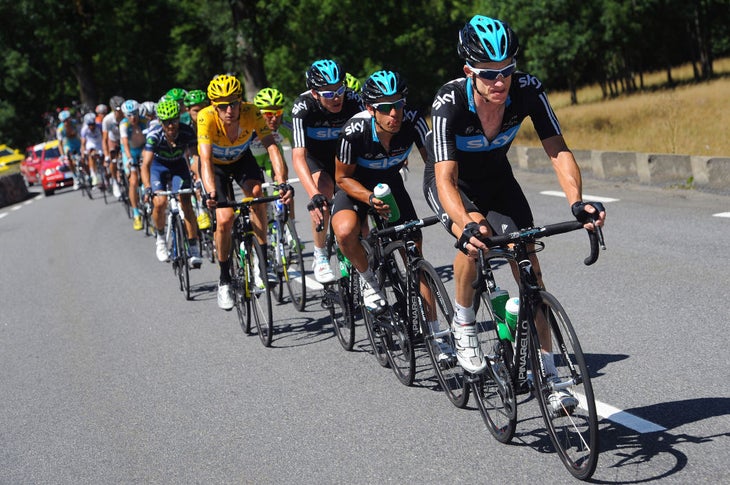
column 374, row 145
column 468, row 180
column 318, row 115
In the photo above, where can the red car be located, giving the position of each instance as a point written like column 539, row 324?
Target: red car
column 43, row 164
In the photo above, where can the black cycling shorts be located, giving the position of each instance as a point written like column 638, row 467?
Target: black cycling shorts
column 241, row 170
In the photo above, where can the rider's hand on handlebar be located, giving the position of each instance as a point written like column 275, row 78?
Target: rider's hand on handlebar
column 316, row 208
column 589, row 213
column 286, row 192
column 470, row 241
column 210, row 199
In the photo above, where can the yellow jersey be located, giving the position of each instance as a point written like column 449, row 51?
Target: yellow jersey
column 211, row 131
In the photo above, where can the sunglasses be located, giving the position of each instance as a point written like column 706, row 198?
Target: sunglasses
column 332, row 94
column 388, row 107
column 225, row 106
column 170, row 122
column 271, row 113
column 492, row 74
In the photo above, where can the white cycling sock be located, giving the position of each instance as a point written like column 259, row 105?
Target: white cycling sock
column 464, row 315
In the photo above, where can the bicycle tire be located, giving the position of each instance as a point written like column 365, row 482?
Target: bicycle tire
column 573, row 433
column 275, row 258
column 448, row 372
column 181, row 257
column 493, row 390
column 259, row 298
column 124, row 190
column 375, row 336
column 396, row 322
column 102, row 184
column 341, row 305
column 238, row 286
column 294, row 269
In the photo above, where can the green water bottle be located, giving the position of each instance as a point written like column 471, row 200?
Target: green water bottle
column 382, row 192
column 344, row 264
column 499, row 298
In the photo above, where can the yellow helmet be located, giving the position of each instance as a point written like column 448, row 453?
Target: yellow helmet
column 224, row 85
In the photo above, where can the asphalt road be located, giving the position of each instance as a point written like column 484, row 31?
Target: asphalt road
column 107, row 375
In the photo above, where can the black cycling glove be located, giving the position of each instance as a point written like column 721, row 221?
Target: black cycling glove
column 319, row 201
column 470, row 230
column 284, row 188
column 579, row 211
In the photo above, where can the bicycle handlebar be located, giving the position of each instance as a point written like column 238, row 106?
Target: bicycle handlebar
column 405, row 227
column 246, row 202
column 533, row 233
column 170, row 192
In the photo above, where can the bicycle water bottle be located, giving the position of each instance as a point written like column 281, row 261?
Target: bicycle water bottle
column 242, row 252
column 344, row 264
column 512, row 310
column 382, row 192
column 499, row 299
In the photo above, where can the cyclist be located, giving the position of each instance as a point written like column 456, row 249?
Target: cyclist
column 318, row 116
column 69, row 141
column 468, row 180
column 374, row 145
column 110, row 140
column 178, row 95
column 101, row 111
column 165, row 162
column 195, row 100
column 225, row 130
column 91, row 140
column 147, row 115
column 270, row 102
column 133, row 141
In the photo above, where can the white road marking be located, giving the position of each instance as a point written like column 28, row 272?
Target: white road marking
column 586, row 197
column 3, row 214
column 623, row 418
column 722, row 214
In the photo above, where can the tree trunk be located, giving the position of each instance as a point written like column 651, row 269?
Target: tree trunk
column 82, row 70
column 249, row 55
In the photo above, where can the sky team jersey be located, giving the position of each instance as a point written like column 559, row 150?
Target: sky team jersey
column 166, row 153
column 458, row 135
column 318, row 130
column 360, row 145
column 211, row 131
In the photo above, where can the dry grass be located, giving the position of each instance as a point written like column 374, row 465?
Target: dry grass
column 690, row 119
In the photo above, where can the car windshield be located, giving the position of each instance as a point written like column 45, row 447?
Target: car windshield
column 6, row 151
column 52, row 153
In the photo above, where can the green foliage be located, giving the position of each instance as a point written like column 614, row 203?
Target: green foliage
column 89, row 50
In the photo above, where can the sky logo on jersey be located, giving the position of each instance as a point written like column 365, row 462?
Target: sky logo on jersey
column 229, row 153
column 529, row 79
column 442, row 100
column 324, row 133
column 383, row 163
column 358, row 127
column 479, row 143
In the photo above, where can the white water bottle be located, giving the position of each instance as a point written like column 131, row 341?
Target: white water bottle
column 382, row 192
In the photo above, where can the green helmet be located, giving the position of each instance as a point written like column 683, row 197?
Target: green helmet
column 352, row 82
column 196, row 96
column 269, row 98
column 176, row 94
column 167, row 109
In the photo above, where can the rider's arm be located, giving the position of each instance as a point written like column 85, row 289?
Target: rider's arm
column 281, row 171
column 344, row 176
column 299, row 160
column 147, row 157
column 105, row 144
column 207, row 174
column 447, row 177
column 565, row 167
column 125, row 143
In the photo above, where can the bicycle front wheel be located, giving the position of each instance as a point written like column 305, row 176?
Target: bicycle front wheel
column 259, row 293
column 435, row 308
column 375, row 334
column 493, row 390
column 293, row 265
column 396, row 322
column 564, row 390
column 181, row 257
column 238, row 286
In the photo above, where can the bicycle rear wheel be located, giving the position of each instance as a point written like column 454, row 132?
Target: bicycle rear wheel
column 450, row 375
column 396, row 322
column 238, row 286
column 293, row 265
column 572, row 429
column 259, row 298
column 181, row 257
column 493, row 390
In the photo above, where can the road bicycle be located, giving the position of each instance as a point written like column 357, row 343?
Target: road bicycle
column 418, row 304
column 102, row 178
column 341, row 297
column 285, row 254
column 543, row 356
column 176, row 238
column 123, row 186
column 251, row 292
column 83, row 175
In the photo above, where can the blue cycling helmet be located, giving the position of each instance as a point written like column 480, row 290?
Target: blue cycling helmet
column 487, row 40
column 324, row 72
column 382, row 84
column 64, row 115
column 130, row 107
